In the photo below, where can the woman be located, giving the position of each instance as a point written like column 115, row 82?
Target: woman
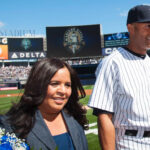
column 49, row 115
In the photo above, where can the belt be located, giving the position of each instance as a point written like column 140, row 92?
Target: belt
column 134, row 133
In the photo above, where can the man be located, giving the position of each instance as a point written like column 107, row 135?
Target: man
column 121, row 95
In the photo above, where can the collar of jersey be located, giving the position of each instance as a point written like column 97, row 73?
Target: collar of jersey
column 138, row 55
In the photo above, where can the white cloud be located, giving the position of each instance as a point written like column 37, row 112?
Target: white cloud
column 146, row 4
column 1, row 24
column 123, row 14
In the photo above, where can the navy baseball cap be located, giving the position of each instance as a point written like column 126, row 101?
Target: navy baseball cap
column 139, row 13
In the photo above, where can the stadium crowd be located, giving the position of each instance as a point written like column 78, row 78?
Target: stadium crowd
column 15, row 72
column 83, row 61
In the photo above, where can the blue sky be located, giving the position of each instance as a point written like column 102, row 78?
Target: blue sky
column 36, row 15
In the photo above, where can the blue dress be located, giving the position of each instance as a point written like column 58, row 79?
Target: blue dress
column 64, row 141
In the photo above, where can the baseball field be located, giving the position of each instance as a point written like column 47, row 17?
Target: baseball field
column 7, row 98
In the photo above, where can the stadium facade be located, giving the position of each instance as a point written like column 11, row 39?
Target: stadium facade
column 81, row 46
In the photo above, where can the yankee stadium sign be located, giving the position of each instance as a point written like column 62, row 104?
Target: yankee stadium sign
column 25, row 55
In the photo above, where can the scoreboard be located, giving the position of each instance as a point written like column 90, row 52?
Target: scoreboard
column 113, row 41
column 116, row 39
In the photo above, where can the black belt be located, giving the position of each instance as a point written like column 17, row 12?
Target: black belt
column 134, row 133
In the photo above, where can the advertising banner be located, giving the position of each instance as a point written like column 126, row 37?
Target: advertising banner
column 26, row 55
column 108, row 51
column 3, row 49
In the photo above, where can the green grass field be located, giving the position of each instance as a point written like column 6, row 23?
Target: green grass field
column 92, row 137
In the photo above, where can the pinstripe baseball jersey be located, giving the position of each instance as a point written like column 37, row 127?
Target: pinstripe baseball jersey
column 123, row 87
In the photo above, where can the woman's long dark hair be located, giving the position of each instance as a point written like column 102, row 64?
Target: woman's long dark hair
column 22, row 115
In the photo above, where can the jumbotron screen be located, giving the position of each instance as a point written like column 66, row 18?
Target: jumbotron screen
column 116, row 39
column 73, row 41
column 25, row 44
